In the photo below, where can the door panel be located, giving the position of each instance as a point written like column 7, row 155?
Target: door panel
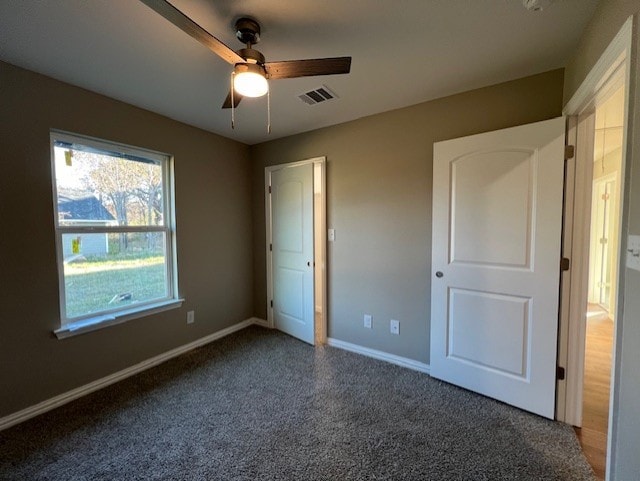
column 487, row 188
column 490, row 344
column 497, row 211
column 292, row 240
column 289, row 203
column 290, row 293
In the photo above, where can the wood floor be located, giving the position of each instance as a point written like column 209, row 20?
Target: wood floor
column 597, row 376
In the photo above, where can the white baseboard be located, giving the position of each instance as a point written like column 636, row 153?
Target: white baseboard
column 260, row 322
column 54, row 402
column 381, row 355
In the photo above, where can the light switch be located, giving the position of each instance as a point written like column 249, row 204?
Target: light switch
column 633, row 252
column 332, row 235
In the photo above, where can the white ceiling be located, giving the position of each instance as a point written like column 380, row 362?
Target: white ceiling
column 404, row 52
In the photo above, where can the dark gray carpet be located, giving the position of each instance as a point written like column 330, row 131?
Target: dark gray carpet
column 261, row 405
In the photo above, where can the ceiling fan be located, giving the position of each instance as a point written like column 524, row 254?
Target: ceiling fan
column 250, row 71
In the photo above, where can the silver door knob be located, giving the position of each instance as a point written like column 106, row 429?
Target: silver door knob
column 439, row 274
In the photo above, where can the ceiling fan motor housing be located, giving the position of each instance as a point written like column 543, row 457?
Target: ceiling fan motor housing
column 248, row 31
column 251, row 55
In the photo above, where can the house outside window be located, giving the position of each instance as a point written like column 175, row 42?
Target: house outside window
column 115, row 235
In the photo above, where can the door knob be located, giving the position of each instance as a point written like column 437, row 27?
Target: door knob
column 439, row 274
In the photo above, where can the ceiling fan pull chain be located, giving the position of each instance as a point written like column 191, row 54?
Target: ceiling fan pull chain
column 269, row 111
column 233, row 103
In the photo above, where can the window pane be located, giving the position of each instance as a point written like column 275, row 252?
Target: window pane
column 100, row 189
column 103, row 272
column 104, row 193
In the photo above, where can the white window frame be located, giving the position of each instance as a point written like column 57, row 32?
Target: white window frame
column 93, row 321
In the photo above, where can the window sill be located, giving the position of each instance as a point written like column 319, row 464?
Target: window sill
column 100, row 322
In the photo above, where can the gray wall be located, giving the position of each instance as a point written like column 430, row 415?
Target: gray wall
column 214, row 234
column 606, row 22
column 379, row 177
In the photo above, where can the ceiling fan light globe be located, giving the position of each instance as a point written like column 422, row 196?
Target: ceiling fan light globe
column 250, row 84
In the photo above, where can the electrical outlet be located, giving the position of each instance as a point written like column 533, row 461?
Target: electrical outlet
column 367, row 321
column 394, row 326
column 190, row 317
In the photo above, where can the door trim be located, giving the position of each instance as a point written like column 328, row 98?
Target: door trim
column 596, row 84
column 320, row 251
column 612, row 70
column 576, row 280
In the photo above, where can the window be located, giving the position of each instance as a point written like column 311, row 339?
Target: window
column 115, row 235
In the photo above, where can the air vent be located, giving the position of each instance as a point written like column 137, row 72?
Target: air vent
column 318, row 95
column 536, row 5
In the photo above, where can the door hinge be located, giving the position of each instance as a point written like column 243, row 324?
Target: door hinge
column 569, row 152
column 560, row 373
column 564, row 264
column 270, row 247
column 269, row 189
column 271, row 303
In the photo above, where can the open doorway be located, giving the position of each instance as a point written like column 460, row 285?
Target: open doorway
column 604, row 251
column 591, row 315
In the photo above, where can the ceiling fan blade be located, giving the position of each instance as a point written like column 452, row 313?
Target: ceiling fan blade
column 236, row 98
column 187, row 25
column 306, row 68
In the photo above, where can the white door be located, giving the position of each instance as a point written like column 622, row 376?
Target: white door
column 497, row 217
column 292, row 255
column 601, row 258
